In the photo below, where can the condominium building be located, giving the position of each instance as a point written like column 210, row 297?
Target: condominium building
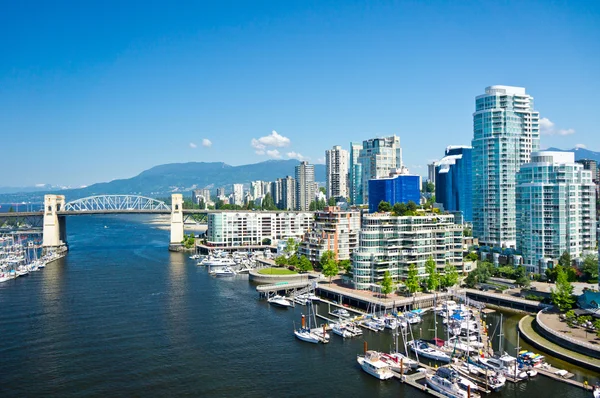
column 431, row 171
column 390, row 243
column 399, row 187
column 334, row 230
column 238, row 194
column 276, row 193
column 355, row 174
column 592, row 166
column 220, row 192
column 305, row 185
column 505, row 132
column 454, row 181
column 242, row 228
column 336, row 163
column 288, row 193
column 201, row 196
column 378, row 157
column 555, row 209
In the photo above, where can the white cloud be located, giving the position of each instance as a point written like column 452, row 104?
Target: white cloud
column 273, row 140
column 580, row 146
column 206, row 143
column 273, row 153
column 192, row 145
column 547, row 127
column 320, row 161
column 296, row 155
column 40, row 185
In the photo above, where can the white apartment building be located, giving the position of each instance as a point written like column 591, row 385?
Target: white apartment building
column 556, row 209
column 390, row 243
column 378, row 156
column 332, row 229
column 305, row 185
column 288, row 193
column 336, row 163
column 238, row 194
column 505, row 132
column 242, row 228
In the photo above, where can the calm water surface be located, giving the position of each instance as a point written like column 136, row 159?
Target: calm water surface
column 121, row 316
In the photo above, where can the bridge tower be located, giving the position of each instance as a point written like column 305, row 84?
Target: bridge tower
column 55, row 228
column 176, row 220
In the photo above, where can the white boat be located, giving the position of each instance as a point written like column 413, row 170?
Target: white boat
column 412, row 318
column 341, row 330
column 341, row 313
column 306, row 333
column 425, row 350
column 493, row 380
column 373, row 365
column 195, row 257
column 279, row 301
column 226, row 271
column 445, row 387
column 401, row 359
column 216, row 262
column 391, row 323
column 354, row 329
column 375, row 324
column 505, row 364
column 596, row 392
column 463, row 383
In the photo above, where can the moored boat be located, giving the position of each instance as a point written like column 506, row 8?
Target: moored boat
column 373, row 365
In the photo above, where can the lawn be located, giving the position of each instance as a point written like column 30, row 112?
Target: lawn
column 276, row 271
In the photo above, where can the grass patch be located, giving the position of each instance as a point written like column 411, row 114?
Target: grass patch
column 276, row 271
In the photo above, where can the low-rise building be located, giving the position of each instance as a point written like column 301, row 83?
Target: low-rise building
column 242, row 228
column 399, row 187
column 334, row 230
column 393, row 243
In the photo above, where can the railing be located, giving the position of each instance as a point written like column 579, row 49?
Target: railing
column 562, row 336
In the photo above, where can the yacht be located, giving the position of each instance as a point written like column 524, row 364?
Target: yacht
column 341, row 312
column 445, row 387
column 215, row 262
column 424, row 350
column 391, row 323
column 412, row 318
column 373, row 365
column 375, row 324
column 505, row 364
column 401, row 358
column 493, row 380
column 354, row 329
column 226, row 271
column 280, row 301
column 463, row 383
column 341, row 330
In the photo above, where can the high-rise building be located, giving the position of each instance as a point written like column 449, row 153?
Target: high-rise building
column 276, row 193
column 505, row 132
column 220, row 192
column 391, row 243
column 288, row 193
column 355, row 174
column 555, row 209
column 238, row 194
column 454, row 181
column 305, row 185
column 591, row 165
column 431, row 168
column 256, row 189
column 378, row 157
column 334, row 230
column 336, row 161
column 397, row 188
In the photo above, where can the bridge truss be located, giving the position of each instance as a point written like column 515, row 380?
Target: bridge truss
column 116, row 203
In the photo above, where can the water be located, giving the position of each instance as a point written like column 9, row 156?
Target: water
column 121, row 316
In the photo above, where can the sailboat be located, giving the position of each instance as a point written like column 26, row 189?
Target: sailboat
column 306, row 333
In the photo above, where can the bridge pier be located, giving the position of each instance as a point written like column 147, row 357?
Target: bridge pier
column 54, row 230
column 176, row 222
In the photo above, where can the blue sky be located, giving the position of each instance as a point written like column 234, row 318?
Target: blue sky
column 94, row 91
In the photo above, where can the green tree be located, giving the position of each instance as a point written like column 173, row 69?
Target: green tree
column 312, row 206
column 304, row 264
column 267, row 202
column 429, row 187
column 412, row 206
column 562, row 295
column 387, row 284
column 11, row 210
column 571, row 273
column 293, row 260
column 472, row 256
column 450, row 276
column 433, row 278
column 346, row 265
column 468, row 232
column 322, row 190
column 384, row 207
column 266, row 242
column 412, row 279
column 590, row 268
column 331, row 201
column 218, row 204
column 565, row 259
column 551, row 273
column 520, row 276
column 329, row 265
column 291, row 247
column 281, row 261
column 399, row 209
column 472, row 279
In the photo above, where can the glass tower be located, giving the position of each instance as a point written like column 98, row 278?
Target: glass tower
column 453, row 181
column 505, row 132
column 355, row 171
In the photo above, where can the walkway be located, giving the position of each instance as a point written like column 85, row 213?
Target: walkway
column 530, row 335
column 576, row 335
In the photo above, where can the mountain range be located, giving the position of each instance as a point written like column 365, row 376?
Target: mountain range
column 580, row 153
column 161, row 181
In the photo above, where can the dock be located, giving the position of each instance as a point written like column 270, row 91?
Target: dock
column 416, row 380
column 282, row 286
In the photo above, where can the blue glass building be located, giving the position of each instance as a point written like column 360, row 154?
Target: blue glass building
column 453, row 181
column 399, row 188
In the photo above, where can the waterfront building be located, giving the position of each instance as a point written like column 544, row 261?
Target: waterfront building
column 288, row 193
column 355, row 174
column 238, row 194
column 505, row 132
column 332, row 229
column 393, row 243
column 378, row 157
column 555, row 209
column 305, row 185
column 336, row 164
column 397, row 188
column 453, row 181
column 242, row 228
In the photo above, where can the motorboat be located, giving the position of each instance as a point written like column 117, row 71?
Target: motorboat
column 375, row 324
column 463, row 383
column 401, row 359
column 412, row 318
column 531, row 359
column 340, row 330
column 596, row 391
column 505, row 364
column 472, row 341
column 373, row 365
column 423, row 349
column 493, row 380
column 226, row 271
column 280, row 301
column 341, row 313
column 215, row 262
column 445, row 387
column 447, row 307
column 195, row 257
column 354, row 329
column 391, row 323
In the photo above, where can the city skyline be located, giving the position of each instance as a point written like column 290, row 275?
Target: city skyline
column 204, row 83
